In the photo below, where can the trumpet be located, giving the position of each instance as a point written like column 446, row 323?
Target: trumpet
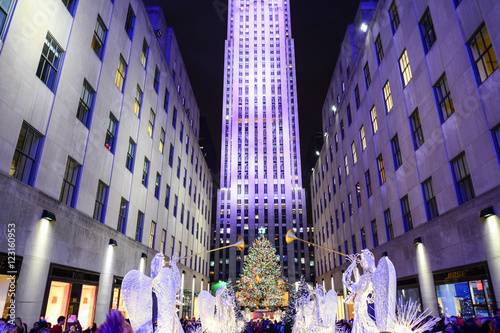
column 290, row 237
column 240, row 244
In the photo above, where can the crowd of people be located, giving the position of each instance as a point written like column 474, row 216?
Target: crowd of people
column 116, row 323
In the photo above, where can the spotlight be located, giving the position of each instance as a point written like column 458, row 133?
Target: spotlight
column 49, row 216
column 384, row 254
column 317, row 153
column 334, row 108
column 487, row 212
column 417, row 241
column 144, row 255
column 363, row 27
column 112, row 242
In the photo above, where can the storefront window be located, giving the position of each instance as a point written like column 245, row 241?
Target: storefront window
column 8, row 282
column 464, row 299
column 118, row 301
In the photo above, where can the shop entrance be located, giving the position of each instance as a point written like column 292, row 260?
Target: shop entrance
column 71, row 294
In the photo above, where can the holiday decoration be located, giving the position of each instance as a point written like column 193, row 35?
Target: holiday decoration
column 259, row 287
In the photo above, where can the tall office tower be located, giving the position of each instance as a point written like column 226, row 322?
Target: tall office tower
column 261, row 188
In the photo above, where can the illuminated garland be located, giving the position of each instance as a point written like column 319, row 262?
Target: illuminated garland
column 260, row 287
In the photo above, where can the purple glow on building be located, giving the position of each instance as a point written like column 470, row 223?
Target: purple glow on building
column 261, row 185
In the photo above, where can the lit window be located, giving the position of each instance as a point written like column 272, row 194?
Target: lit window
column 388, row 97
column 444, row 100
column 69, row 189
column 152, row 235
column 346, row 165
column 111, row 134
column 85, row 105
column 373, row 115
column 120, row 73
column 138, row 101
column 482, row 54
column 48, row 66
column 99, row 38
column 151, row 123
column 27, row 155
column 381, row 170
column 354, row 156
column 145, row 53
column 162, row 140
column 404, row 65
column 363, row 137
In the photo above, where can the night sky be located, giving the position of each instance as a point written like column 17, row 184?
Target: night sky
column 318, row 28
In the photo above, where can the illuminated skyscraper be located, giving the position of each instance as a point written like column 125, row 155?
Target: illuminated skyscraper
column 261, row 187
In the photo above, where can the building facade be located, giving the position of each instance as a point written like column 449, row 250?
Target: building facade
column 100, row 164
column 260, row 182
column 410, row 167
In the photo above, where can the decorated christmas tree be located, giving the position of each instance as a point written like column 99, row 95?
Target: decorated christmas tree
column 260, row 287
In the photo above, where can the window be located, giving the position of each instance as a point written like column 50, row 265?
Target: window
column 353, row 238
column 69, row 189
column 70, row 5
column 139, row 227
column 120, row 73
column 387, row 97
column 151, row 124
column 4, row 13
column 145, row 172
column 99, row 38
column 50, row 60
column 378, row 49
column 178, row 167
column 156, row 82
column 167, row 197
column 406, row 212
column 373, row 115
column 181, row 132
column 100, row 202
column 396, row 152
column 457, row 2
column 374, row 233
column 130, row 22
column 85, row 105
column 176, row 201
column 157, row 186
column 416, row 129
column 427, row 31
column 381, row 170
column 431, row 209
column 482, row 54
column 111, row 132
column 122, row 217
column 388, row 225
column 144, row 53
column 362, row 137
column 185, row 178
column 171, row 156
column 358, row 194
column 166, row 100
column 138, row 101
column 368, row 181
column 443, row 98
column 394, row 16
column 152, row 235
column 174, row 118
column 342, row 129
column 342, row 211
column 462, row 179
column 336, row 142
column 130, row 155
column 404, row 65
column 353, row 151
column 349, row 116
column 162, row 140
column 27, row 155
column 356, row 97
column 366, row 72
column 349, row 203
column 496, row 139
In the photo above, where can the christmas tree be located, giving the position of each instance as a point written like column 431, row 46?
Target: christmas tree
column 296, row 295
column 260, row 287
